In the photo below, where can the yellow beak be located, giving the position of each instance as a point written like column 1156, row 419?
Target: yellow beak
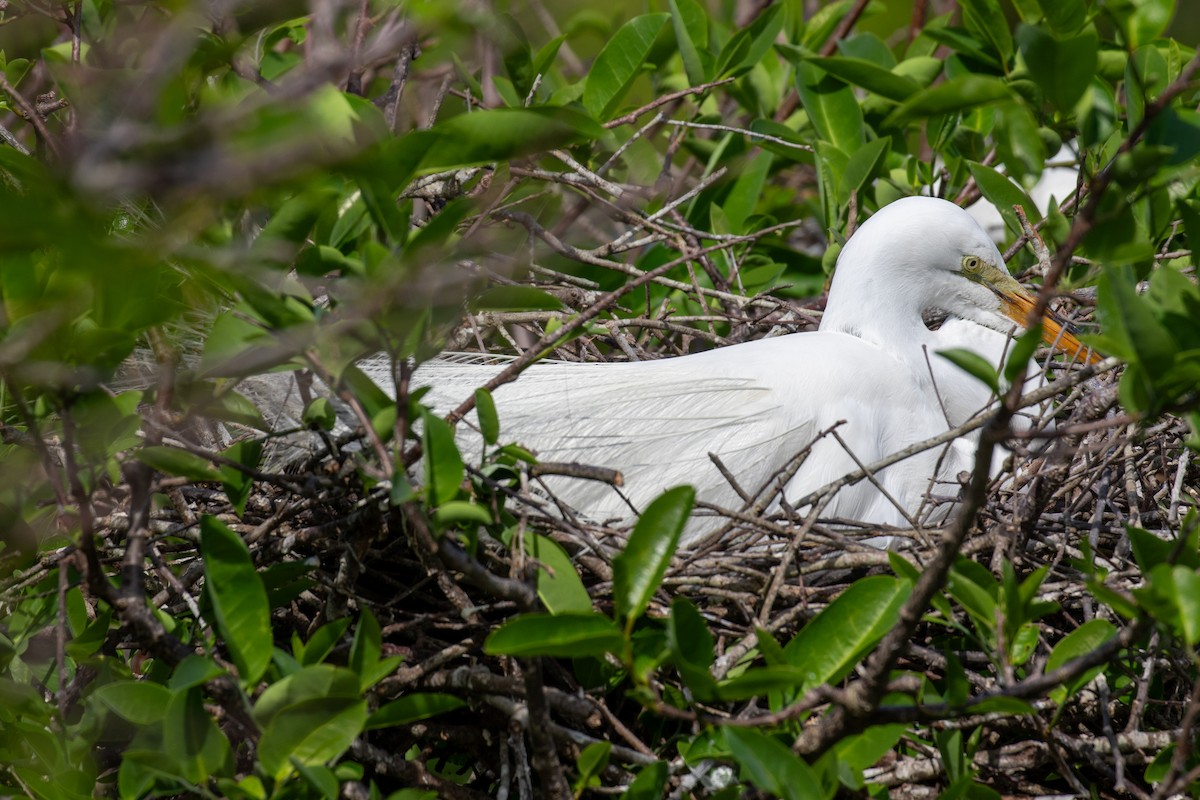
column 1016, row 304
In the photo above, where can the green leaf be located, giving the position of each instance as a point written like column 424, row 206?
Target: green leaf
column 957, row 94
column 973, row 364
column 413, row 708
column 592, row 761
column 747, row 191
column 322, row 642
column 193, row 671
column 619, row 64
column 239, row 599
column 366, row 647
column 502, row 134
column 829, row 646
column 173, row 461
column 1064, row 16
column 863, row 164
column 563, row 635
column 872, row 77
column 771, row 766
column 1179, row 587
column 1079, row 642
column 320, row 681
column 443, row 464
column 485, row 412
column 640, row 567
column 985, row 20
column 516, row 298
column 690, row 22
column 650, row 782
column 832, row 107
column 237, row 483
column 140, row 702
column 747, row 47
column 1022, row 351
column 691, row 645
column 558, row 583
column 192, row 740
column 462, row 512
column 311, row 732
column 1003, row 194
column 1062, row 68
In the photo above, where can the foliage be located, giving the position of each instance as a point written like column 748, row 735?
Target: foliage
column 210, row 588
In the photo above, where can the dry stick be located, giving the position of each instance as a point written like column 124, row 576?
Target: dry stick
column 354, row 79
column 31, row 115
column 662, row 101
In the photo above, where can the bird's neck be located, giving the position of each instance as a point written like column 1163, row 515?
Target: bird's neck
column 888, row 319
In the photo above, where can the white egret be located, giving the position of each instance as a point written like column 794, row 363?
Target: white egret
column 872, row 365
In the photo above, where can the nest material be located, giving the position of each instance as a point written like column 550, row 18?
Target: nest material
column 1090, row 479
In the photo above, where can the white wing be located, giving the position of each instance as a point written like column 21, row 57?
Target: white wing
column 755, row 405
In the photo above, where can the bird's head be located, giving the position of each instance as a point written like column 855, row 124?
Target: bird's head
column 921, row 253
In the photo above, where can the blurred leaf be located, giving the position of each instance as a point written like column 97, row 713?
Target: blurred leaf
column 973, row 364
column 501, row 134
column 649, row 783
column 639, row 568
column 1064, row 16
column 985, row 20
column 239, row 602
column 173, row 461
column 565, row 635
column 1062, row 67
column 516, row 298
column 619, row 64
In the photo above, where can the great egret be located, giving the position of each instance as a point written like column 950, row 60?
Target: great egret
column 872, row 364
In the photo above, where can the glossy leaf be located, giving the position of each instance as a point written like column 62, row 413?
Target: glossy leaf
column 872, row 77
column 239, row 600
column 489, row 420
column 640, row 567
column 444, row 470
column 563, row 635
column 619, row 64
column 829, row 646
column 832, row 107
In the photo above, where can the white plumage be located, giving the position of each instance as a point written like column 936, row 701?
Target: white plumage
column 872, row 364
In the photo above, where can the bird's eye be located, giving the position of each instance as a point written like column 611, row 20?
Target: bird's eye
column 972, row 263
